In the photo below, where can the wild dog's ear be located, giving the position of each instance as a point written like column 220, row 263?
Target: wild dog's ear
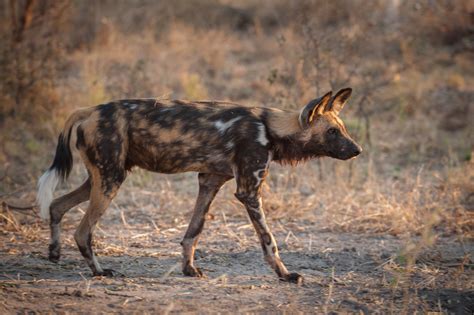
column 339, row 100
column 315, row 107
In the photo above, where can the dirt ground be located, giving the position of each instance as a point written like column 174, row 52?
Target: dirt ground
column 344, row 272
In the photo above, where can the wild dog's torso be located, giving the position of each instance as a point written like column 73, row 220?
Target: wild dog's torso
column 173, row 136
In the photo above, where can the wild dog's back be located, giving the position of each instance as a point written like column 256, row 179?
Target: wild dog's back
column 171, row 136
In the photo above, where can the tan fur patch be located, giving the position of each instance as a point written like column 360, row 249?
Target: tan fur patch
column 89, row 127
column 73, row 122
column 121, row 127
column 78, row 115
column 73, row 140
column 168, row 135
column 340, row 123
column 284, row 123
column 333, row 120
column 257, row 111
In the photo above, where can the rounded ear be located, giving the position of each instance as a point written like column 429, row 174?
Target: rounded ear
column 316, row 106
column 339, row 100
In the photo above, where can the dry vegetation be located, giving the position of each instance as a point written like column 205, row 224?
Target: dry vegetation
column 388, row 232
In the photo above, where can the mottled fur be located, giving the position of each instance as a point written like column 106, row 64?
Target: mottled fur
column 218, row 140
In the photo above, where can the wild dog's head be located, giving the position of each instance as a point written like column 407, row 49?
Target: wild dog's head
column 323, row 131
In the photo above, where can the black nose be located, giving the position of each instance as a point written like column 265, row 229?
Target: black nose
column 358, row 150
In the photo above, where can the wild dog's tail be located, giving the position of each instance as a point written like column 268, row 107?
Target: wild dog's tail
column 62, row 163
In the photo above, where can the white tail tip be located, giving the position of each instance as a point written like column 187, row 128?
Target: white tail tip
column 46, row 186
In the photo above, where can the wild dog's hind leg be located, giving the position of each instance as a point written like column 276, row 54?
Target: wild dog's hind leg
column 250, row 177
column 209, row 185
column 104, row 189
column 57, row 210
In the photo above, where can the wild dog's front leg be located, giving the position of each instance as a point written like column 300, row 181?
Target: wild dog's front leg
column 209, row 185
column 253, row 204
column 248, row 192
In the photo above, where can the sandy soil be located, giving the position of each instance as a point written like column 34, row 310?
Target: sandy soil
column 343, row 272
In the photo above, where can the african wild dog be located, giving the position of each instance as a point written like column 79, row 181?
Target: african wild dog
column 218, row 140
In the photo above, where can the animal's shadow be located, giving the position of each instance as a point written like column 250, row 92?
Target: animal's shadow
column 214, row 264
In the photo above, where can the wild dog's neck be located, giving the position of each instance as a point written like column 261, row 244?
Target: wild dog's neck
column 288, row 139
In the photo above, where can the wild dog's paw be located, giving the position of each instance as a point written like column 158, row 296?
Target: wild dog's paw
column 54, row 253
column 293, row 278
column 192, row 271
column 106, row 273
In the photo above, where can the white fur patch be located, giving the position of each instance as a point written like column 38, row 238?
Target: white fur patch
column 235, row 171
column 256, row 174
column 223, row 126
column 130, row 105
column 229, row 145
column 262, row 136
column 46, row 186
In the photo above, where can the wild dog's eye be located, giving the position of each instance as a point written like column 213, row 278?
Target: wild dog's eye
column 332, row 131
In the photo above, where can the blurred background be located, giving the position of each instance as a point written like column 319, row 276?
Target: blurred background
column 391, row 229
column 410, row 64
